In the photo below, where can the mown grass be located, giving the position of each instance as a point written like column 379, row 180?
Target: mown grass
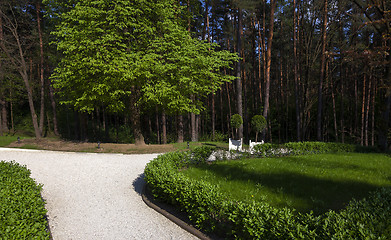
column 6, row 140
column 306, row 183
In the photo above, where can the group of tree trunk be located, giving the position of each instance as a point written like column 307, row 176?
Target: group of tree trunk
column 316, row 70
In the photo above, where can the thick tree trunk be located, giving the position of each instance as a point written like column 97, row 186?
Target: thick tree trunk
column 259, row 62
column 322, row 74
column 4, row 115
column 135, row 117
column 164, row 128
column 239, row 100
column 157, row 126
column 42, row 81
column 53, row 103
column 296, row 74
column 342, row 107
column 373, row 115
column 269, row 60
column 180, row 129
column 384, row 127
column 334, row 110
column 363, row 111
column 193, row 127
column 213, row 117
column 367, row 110
column 23, row 73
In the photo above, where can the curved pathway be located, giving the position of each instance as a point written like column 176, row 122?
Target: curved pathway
column 95, row 196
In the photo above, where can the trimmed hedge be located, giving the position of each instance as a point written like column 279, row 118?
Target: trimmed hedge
column 22, row 211
column 211, row 211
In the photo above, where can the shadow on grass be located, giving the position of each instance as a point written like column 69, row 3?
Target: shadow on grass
column 320, row 194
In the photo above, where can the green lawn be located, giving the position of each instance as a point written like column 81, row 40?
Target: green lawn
column 6, row 140
column 310, row 182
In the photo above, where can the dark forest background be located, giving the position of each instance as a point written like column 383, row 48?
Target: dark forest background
column 316, row 70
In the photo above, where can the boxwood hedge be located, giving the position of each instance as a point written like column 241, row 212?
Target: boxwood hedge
column 22, row 211
column 211, row 211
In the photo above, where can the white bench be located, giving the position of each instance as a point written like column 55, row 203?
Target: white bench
column 235, row 144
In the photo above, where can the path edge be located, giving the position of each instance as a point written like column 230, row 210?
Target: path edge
column 171, row 217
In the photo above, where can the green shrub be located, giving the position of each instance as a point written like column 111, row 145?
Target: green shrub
column 22, row 211
column 211, row 211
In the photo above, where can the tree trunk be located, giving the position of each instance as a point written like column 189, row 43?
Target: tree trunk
column 367, row 110
column 259, row 63
column 373, row 115
column 1, row 125
column 363, row 110
column 1, row 71
column 193, row 127
column 135, row 117
column 322, row 73
column 164, row 128
column 53, row 103
column 342, row 107
column 269, row 60
column 42, row 81
column 4, row 115
column 238, row 72
column 334, row 110
column 180, row 129
column 157, row 126
column 23, row 73
column 296, row 77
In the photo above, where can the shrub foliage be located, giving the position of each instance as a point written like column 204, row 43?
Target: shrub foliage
column 211, row 211
column 22, row 211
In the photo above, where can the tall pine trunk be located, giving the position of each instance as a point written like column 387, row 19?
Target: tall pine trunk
column 239, row 99
column 296, row 72
column 180, row 129
column 164, row 128
column 363, row 110
column 135, row 117
column 41, row 72
column 269, row 60
column 322, row 74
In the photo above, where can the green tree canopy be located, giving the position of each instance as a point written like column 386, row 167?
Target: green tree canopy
column 113, row 50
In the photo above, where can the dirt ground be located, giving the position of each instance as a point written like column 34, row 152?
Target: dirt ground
column 60, row 145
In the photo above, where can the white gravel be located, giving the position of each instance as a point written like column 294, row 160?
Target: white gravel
column 95, row 196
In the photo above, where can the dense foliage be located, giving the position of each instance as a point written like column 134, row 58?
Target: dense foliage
column 22, row 211
column 210, row 210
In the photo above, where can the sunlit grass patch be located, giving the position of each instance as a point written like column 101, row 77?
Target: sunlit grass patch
column 311, row 182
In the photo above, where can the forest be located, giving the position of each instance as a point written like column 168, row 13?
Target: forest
column 167, row 71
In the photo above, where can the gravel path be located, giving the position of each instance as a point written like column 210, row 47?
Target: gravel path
column 95, row 196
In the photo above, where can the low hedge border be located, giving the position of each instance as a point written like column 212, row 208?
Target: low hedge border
column 211, row 211
column 22, row 210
